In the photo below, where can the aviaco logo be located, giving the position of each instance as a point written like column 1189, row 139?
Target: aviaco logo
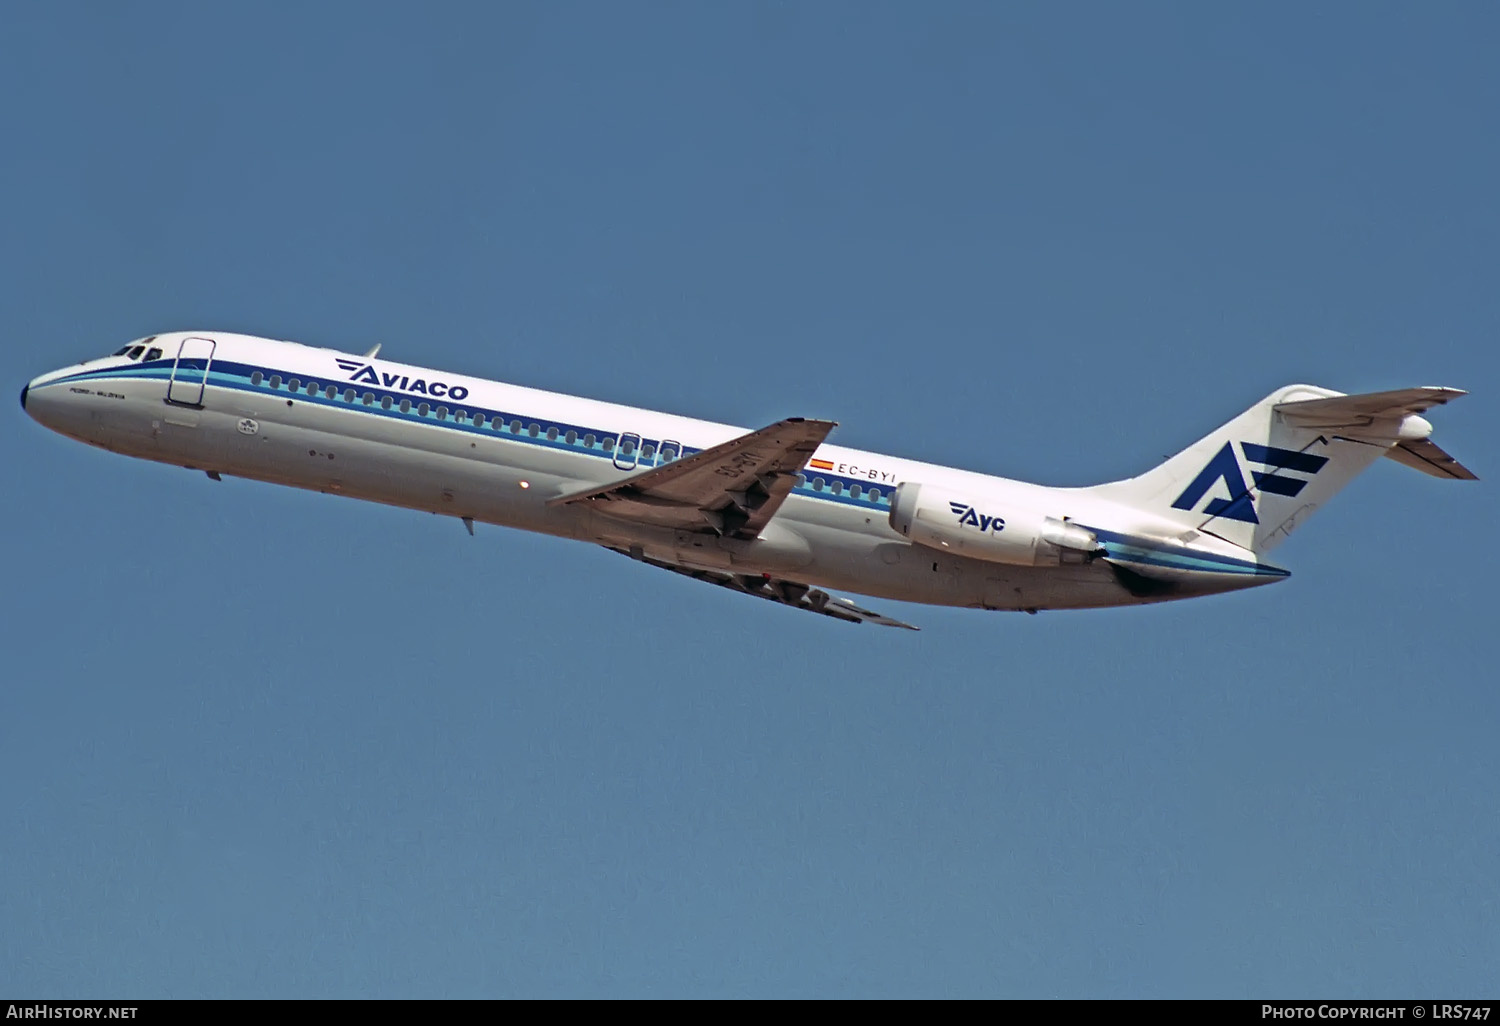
column 1241, row 502
column 969, row 517
column 401, row 382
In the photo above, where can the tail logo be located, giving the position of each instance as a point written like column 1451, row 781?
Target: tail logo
column 1241, row 502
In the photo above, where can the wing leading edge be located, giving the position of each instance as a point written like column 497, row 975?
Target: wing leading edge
column 731, row 489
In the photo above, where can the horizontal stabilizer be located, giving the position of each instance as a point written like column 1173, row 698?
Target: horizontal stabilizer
column 1430, row 459
column 1355, row 411
column 1389, row 415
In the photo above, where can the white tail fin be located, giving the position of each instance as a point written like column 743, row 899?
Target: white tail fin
column 1254, row 480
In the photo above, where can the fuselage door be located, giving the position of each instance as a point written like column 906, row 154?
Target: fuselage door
column 190, row 371
column 628, row 450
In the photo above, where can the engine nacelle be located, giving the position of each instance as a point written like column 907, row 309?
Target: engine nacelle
column 997, row 532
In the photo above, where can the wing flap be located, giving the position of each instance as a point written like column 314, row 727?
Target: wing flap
column 732, row 489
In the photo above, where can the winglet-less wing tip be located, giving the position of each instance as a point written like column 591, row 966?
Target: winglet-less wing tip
column 848, row 610
column 787, row 593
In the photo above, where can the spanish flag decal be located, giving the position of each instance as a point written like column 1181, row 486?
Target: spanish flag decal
column 820, row 464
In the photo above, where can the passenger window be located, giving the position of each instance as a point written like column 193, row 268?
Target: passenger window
column 422, row 409
column 257, row 378
column 442, row 413
column 874, row 494
column 837, row 488
column 460, row 415
column 153, row 353
column 817, row 484
column 854, row 490
column 552, row 434
column 588, row 440
column 479, row 420
column 294, row 385
column 276, row 381
column 801, row 480
column 515, row 427
column 369, row 398
column 349, row 395
column 571, row 437
column 608, row 443
column 312, row 388
column 647, row 451
column 533, row 430
column 385, row 402
column 406, row 406
column 668, row 452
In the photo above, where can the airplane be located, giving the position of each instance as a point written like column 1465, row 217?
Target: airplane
column 777, row 513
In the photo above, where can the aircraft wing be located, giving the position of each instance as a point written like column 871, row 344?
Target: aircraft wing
column 731, row 489
column 788, row 593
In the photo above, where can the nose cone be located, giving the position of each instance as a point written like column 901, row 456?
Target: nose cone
column 41, row 401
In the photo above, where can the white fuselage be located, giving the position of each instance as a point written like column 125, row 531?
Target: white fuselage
column 495, row 453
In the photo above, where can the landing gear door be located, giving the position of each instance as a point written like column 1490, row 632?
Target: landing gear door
column 190, row 372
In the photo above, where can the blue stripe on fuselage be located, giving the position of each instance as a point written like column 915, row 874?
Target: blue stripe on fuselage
column 235, row 376
column 1131, row 548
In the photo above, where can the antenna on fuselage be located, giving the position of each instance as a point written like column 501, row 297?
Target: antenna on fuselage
column 373, row 350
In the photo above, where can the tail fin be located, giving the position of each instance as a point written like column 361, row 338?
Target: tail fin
column 1254, row 480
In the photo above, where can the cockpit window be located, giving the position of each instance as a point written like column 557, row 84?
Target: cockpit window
column 153, row 353
column 134, row 349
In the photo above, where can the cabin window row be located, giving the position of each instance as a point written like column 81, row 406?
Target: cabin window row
column 552, row 432
column 669, row 451
column 855, row 491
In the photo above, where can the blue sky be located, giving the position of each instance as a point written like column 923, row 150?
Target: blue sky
column 258, row 742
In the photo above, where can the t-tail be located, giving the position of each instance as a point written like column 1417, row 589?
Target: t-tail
column 1257, row 478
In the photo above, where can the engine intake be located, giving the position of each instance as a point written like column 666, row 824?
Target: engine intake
column 996, row 531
